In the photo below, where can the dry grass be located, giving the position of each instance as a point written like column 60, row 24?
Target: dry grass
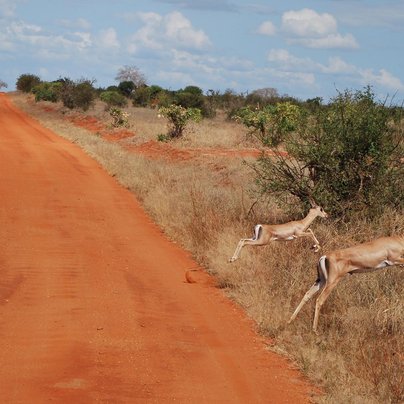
column 203, row 204
column 217, row 132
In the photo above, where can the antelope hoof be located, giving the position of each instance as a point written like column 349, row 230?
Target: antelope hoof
column 316, row 248
column 232, row 259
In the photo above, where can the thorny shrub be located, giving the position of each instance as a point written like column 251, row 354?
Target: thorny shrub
column 271, row 123
column 178, row 117
column 119, row 118
column 346, row 157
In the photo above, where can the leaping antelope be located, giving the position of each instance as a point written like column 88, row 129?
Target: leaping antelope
column 265, row 233
column 367, row 257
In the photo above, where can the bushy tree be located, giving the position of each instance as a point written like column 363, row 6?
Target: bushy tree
column 162, row 99
column 178, row 117
column 347, row 157
column 113, row 98
column 126, row 88
column 192, row 97
column 271, row 123
column 80, row 94
column 84, row 94
column 46, row 91
column 150, row 96
column 26, row 82
column 141, row 96
column 3, row 84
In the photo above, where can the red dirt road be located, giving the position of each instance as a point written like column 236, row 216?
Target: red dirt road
column 94, row 306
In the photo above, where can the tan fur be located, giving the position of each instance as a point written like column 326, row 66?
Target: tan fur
column 366, row 257
column 265, row 233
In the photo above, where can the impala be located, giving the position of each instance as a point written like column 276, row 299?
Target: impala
column 265, row 233
column 367, row 257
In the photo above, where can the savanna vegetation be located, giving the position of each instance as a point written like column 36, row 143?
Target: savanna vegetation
column 3, row 84
column 346, row 155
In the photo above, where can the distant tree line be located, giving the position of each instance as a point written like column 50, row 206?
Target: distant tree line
column 3, row 84
column 132, row 88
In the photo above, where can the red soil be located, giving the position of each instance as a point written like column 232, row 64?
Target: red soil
column 94, row 306
column 154, row 149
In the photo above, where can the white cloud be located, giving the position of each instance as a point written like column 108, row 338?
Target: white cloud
column 5, row 43
column 179, row 29
column 188, row 61
column 29, row 38
column 308, row 23
column 43, row 72
column 109, row 39
column 300, row 78
column 7, row 8
column 283, row 59
column 170, row 31
column 310, row 29
column 180, row 78
column 338, row 66
column 85, row 41
column 267, row 28
column 80, row 23
column 283, row 63
column 206, row 71
column 20, row 29
column 216, row 5
column 208, row 66
column 147, row 36
column 382, row 78
column 282, row 56
column 332, row 41
column 379, row 14
column 313, row 30
column 52, row 55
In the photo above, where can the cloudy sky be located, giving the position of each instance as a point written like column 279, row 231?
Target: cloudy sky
column 303, row 49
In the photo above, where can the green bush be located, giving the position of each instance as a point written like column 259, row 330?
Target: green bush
column 178, row 117
column 345, row 156
column 162, row 99
column 191, row 97
column 46, row 91
column 271, row 123
column 26, row 82
column 79, row 94
column 141, row 96
column 113, row 99
column 147, row 95
column 83, row 95
column 126, row 88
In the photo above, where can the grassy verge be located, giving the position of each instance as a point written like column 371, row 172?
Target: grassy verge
column 203, row 205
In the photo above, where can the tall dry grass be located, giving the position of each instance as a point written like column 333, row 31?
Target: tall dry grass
column 146, row 123
column 358, row 357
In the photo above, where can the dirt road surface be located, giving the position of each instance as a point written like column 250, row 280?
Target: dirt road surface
column 94, row 306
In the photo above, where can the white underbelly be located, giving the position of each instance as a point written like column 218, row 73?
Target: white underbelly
column 384, row 264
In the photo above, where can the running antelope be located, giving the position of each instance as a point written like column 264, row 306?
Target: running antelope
column 265, row 233
column 367, row 257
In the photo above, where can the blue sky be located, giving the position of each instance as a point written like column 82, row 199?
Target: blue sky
column 303, row 49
